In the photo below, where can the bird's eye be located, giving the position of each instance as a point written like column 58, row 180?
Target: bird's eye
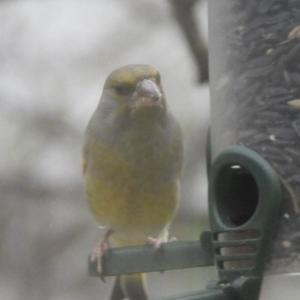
column 123, row 89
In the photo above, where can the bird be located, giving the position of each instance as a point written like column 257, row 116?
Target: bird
column 132, row 160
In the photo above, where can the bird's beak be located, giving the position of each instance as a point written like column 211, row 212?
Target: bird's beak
column 147, row 94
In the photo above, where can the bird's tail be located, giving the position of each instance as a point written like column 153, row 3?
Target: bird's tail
column 129, row 286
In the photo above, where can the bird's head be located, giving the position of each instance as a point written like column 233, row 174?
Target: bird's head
column 135, row 90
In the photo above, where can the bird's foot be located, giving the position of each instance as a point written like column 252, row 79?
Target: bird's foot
column 99, row 250
column 159, row 242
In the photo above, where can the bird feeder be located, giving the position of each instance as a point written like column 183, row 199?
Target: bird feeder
column 255, row 102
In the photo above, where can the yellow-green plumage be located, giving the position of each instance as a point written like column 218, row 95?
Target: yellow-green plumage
column 132, row 157
column 134, row 203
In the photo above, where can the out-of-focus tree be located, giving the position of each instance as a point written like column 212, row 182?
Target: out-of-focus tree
column 184, row 13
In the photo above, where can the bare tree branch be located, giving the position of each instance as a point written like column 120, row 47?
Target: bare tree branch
column 183, row 11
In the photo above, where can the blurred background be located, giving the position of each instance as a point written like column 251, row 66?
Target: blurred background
column 54, row 58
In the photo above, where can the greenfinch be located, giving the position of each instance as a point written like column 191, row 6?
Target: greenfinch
column 132, row 160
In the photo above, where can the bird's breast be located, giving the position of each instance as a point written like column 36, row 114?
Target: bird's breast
column 129, row 190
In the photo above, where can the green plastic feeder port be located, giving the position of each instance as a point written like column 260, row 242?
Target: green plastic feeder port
column 244, row 204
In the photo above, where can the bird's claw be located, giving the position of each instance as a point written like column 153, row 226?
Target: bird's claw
column 157, row 243
column 98, row 252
